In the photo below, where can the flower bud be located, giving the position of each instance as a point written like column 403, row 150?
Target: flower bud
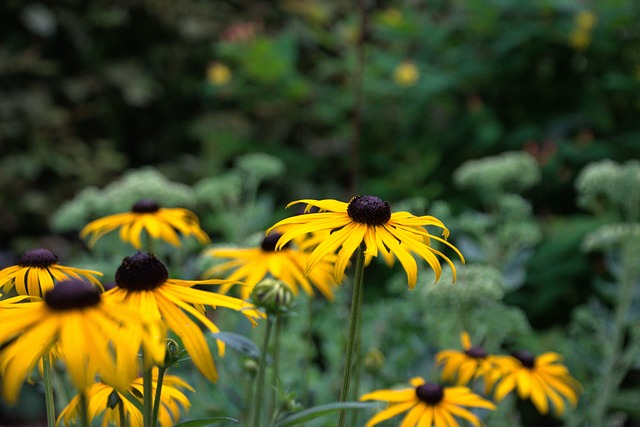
column 273, row 295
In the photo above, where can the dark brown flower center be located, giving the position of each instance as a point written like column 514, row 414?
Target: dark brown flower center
column 476, row 352
column 41, row 257
column 269, row 243
column 527, row 359
column 370, row 210
column 141, row 272
column 431, row 394
column 73, row 294
column 145, row 206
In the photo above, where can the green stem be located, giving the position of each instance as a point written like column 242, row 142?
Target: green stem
column 147, row 394
column 354, row 322
column 84, row 415
column 275, row 373
column 48, row 389
column 121, row 413
column 158, row 395
column 262, row 365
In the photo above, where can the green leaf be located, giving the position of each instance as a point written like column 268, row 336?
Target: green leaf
column 205, row 422
column 239, row 343
column 319, row 411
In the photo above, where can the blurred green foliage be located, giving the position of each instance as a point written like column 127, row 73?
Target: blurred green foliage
column 89, row 90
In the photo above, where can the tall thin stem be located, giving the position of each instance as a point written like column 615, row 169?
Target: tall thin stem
column 275, row 372
column 158, row 395
column 354, row 323
column 48, row 389
column 147, row 397
column 262, row 365
column 83, row 410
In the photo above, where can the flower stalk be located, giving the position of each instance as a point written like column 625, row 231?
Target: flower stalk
column 262, row 365
column 352, row 338
column 48, row 390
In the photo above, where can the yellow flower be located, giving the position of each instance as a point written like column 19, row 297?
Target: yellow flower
column 143, row 284
column 37, row 271
column 251, row 265
column 218, row 73
column 159, row 223
column 428, row 405
column 541, row 379
column 103, row 401
column 406, row 74
column 368, row 220
column 473, row 362
column 586, row 20
column 91, row 337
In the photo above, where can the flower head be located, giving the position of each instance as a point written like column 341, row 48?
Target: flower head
column 218, row 74
column 367, row 220
column 406, row 74
column 143, row 283
column 251, row 265
column 159, row 223
column 91, row 337
column 473, row 362
column 428, row 404
column 36, row 272
column 541, row 379
column 103, row 401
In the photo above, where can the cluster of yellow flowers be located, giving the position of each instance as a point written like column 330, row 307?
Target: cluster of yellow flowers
column 542, row 379
column 99, row 331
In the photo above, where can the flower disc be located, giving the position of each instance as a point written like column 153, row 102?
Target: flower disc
column 41, row 257
column 145, row 206
column 527, row 359
column 370, row 210
column 430, row 393
column 141, row 272
column 72, row 294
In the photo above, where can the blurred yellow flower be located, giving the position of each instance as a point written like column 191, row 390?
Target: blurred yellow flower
column 36, row 272
column 541, row 379
column 218, row 73
column 104, row 401
column 586, row 20
column 390, row 17
column 406, row 74
column 428, row 405
column 473, row 362
column 580, row 38
column 146, row 215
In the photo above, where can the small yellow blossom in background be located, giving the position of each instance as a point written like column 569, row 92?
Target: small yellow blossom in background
column 406, row 74
column 166, row 224
column 586, row 20
column 542, row 379
column 218, row 73
column 428, row 405
column 104, row 401
column 390, row 17
column 580, row 38
column 473, row 362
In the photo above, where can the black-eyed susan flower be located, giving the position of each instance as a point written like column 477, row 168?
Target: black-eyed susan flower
column 368, row 220
column 540, row 379
column 36, row 272
column 91, row 337
column 473, row 362
column 143, row 284
column 166, row 224
column 428, row 405
column 251, row 265
column 103, row 403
